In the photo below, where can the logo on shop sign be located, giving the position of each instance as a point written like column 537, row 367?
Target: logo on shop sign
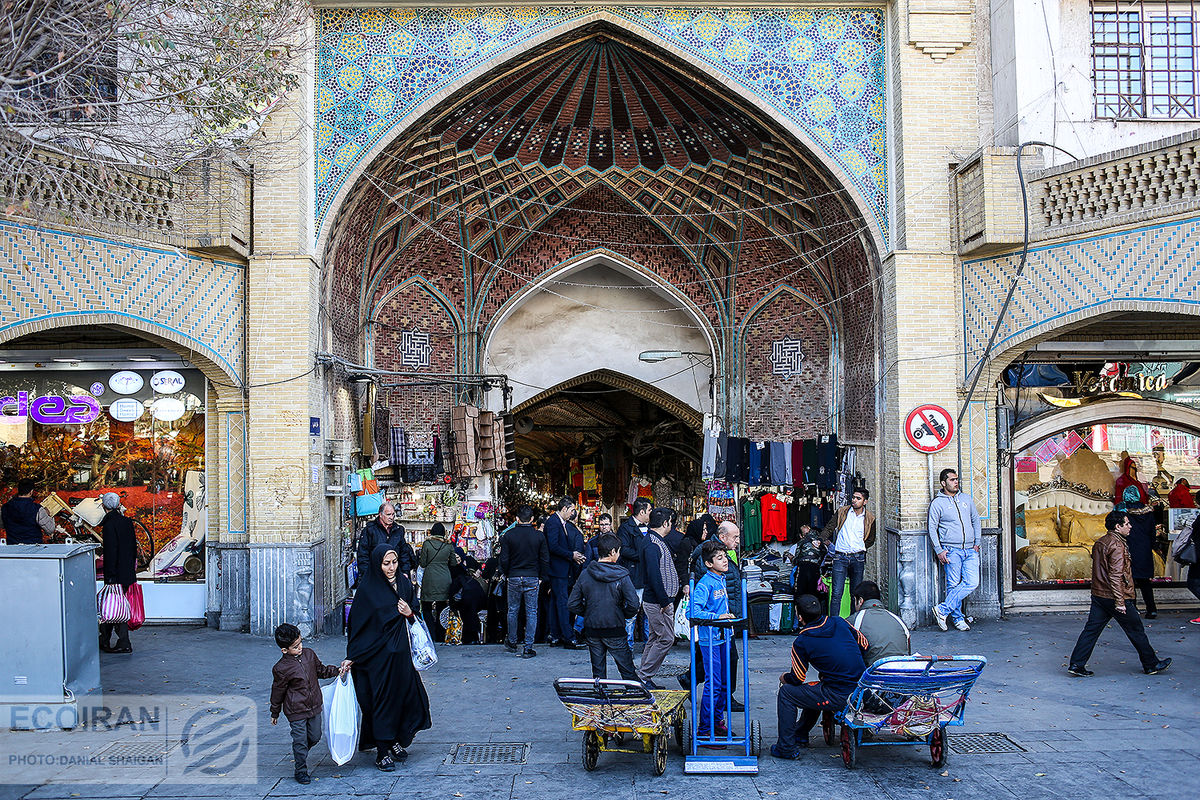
column 928, row 428
column 126, row 409
column 166, row 382
column 78, row 409
column 126, row 382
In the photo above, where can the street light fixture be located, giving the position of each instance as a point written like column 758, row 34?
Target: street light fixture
column 654, row 356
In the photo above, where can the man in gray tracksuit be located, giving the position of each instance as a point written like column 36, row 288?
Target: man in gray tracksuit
column 955, row 533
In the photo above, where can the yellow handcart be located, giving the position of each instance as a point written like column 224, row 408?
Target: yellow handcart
column 612, row 714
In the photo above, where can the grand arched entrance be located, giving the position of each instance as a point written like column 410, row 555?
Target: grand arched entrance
column 599, row 206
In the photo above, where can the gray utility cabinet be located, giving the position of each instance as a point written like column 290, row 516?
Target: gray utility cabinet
column 49, row 647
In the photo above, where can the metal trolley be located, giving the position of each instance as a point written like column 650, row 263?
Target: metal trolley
column 905, row 700
column 609, row 711
column 747, row 738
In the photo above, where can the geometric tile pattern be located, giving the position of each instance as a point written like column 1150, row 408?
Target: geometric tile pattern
column 1155, row 263
column 197, row 302
column 820, row 68
column 235, row 472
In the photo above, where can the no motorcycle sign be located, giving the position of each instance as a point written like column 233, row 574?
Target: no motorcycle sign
column 928, row 428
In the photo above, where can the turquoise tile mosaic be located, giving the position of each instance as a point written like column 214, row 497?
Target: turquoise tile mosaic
column 820, row 68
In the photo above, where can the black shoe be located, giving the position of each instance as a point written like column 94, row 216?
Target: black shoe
column 1159, row 667
column 685, row 682
column 736, row 706
column 385, row 764
column 1151, row 615
column 302, row 777
column 399, row 753
column 510, row 647
column 122, row 649
column 573, row 646
column 1080, row 672
column 651, row 685
column 529, row 652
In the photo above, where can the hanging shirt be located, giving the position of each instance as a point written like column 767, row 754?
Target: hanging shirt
column 708, row 463
column 737, row 463
column 755, row 462
column 850, row 537
column 778, row 465
column 787, row 462
column 751, row 524
column 827, row 457
column 797, row 463
column 810, row 461
column 774, row 518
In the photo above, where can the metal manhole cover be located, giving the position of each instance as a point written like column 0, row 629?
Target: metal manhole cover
column 491, row 753
column 137, row 751
column 970, row 744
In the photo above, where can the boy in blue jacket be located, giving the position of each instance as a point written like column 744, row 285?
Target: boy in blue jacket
column 711, row 601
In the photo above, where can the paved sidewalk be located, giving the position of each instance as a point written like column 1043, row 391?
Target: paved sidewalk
column 1120, row 734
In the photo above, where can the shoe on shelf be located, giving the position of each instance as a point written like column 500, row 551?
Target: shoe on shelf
column 1195, row 621
column 940, row 618
column 736, row 706
column 1161, row 666
column 528, row 652
column 1080, row 672
column 789, row 753
column 511, row 646
column 385, row 764
column 302, row 778
column 961, row 624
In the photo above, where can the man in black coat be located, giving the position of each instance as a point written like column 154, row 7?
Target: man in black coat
column 632, row 534
column 525, row 563
column 24, row 519
column 384, row 530
column 561, row 541
column 120, row 566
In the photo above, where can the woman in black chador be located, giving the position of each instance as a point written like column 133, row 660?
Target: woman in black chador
column 389, row 689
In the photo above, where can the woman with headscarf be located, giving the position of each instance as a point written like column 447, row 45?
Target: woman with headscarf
column 468, row 596
column 436, row 558
column 1141, row 545
column 389, row 689
column 1181, row 495
column 120, row 566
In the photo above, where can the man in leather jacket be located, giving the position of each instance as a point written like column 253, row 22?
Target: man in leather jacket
column 1112, row 598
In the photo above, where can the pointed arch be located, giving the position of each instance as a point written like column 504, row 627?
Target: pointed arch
column 690, row 416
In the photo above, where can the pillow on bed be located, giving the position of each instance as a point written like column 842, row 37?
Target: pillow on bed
column 1084, row 529
column 1041, row 526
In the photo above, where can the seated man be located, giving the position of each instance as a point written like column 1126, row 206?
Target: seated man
column 885, row 633
column 836, row 649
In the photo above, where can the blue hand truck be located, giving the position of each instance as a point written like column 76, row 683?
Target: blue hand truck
column 742, row 745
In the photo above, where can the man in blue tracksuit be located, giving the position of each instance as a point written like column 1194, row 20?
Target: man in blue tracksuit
column 955, row 533
column 836, row 649
column 710, row 600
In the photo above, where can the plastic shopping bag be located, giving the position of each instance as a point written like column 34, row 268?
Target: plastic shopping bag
column 342, row 718
column 421, row 644
column 137, row 608
column 682, row 627
column 114, row 605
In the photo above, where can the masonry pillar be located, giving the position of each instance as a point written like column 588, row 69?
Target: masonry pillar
column 286, row 513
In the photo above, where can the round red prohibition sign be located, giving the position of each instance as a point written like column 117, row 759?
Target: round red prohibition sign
column 928, row 428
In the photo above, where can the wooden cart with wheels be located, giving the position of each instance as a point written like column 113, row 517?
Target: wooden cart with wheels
column 907, row 700
column 609, row 712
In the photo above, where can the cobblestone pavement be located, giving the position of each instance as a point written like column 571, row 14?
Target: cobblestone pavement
column 1120, row 734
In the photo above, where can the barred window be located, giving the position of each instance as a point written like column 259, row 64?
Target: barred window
column 1144, row 59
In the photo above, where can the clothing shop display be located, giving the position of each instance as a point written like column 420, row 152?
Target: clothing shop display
column 778, row 464
column 751, row 524
column 722, row 505
column 827, row 461
column 774, row 518
column 810, row 461
column 756, row 460
column 737, row 460
column 797, row 463
column 787, row 463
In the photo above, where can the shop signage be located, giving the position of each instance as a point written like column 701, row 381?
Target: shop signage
column 78, row 409
column 928, row 428
column 126, row 409
column 167, row 409
column 126, row 382
column 167, row 382
column 1121, row 377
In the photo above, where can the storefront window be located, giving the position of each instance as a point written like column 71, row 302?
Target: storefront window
column 1065, row 485
column 138, row 433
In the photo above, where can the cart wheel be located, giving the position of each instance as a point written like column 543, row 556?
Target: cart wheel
column 687, row 747
column 591, row 750
column 849, row 747
column 827, row 727
column 937, row 747
column 677, row 729
column 755, row 738
column 660, row 754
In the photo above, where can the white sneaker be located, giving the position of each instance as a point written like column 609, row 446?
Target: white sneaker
column 940, row 618
column 961, row 624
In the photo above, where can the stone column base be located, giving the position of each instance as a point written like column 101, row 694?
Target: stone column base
column 915, row 582
column 287, row 585
column 229, row 586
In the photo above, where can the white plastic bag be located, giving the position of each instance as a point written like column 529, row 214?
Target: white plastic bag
column 682, row 627
column 342, row 718
column 421, row 644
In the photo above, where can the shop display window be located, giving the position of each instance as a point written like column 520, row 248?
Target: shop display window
column 1065, row 484
column 138, row 433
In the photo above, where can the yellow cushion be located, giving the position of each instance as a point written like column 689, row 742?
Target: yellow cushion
column 1084, row 529
column 1041, row 526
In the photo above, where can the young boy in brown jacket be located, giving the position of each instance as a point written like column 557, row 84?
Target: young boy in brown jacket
column 295, row 690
